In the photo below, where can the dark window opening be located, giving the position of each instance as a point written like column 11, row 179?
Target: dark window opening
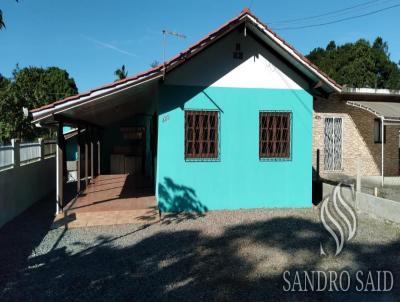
column 201, row 134
column 274, row 135
column 378, row 131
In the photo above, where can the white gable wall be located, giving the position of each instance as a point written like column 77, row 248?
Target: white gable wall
column 216, row 67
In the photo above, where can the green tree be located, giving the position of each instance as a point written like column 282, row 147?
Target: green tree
column 121, row 73
column 154, row 64
column 2, row 24
column 358, row 64
column 30, row 87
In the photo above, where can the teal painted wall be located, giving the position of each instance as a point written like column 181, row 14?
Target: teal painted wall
column 238, row 179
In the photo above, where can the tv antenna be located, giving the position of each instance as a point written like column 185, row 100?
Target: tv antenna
column 169, row 33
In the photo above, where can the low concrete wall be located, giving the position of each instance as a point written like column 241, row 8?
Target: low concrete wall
column 346, row 192
column 22, row 186
column 378, row 207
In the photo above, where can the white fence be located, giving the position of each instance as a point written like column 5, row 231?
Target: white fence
column 29, row 151
column 6, row 156
column 22, row 153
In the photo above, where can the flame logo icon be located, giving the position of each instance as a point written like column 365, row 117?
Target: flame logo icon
column 340, row 219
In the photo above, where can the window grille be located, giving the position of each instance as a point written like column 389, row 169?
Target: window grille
column 274, row 136
column 333, row 144
column 201, row 134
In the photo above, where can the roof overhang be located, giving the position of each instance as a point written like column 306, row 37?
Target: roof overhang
column 389, row 111
column 69, row 106
column 383, row 103
column 94, row 108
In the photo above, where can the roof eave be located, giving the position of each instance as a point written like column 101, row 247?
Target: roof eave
column 40, row 115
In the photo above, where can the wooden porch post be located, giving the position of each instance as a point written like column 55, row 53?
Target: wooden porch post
column 98, row 154
column 78, row 162
column 59, row 169
column 91, row 155
column 86, row 157
column 382, row 147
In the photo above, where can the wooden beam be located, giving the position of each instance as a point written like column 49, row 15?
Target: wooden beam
column 91, row 155
column 98, row 155
column 86, row 158
column 78, row 161
column 59, row 169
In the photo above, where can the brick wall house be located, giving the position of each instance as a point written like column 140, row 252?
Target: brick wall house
column 358, row 141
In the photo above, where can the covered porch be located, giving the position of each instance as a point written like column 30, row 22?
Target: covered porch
column 112, row 155
column 111, row 199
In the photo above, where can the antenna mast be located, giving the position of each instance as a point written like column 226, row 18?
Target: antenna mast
column 170, row 33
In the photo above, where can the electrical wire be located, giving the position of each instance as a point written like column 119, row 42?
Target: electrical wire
column 339, row 20
column 365, row 4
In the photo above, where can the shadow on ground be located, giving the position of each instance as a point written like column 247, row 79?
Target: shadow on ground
column 242, row 262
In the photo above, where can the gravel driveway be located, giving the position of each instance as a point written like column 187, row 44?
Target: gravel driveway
column 224, row 255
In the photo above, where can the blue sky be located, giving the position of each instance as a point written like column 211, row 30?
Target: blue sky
column 91, row 38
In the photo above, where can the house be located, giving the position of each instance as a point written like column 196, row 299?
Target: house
column 360, row 115
column 235, row 121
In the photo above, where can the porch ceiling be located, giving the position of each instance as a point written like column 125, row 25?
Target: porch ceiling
column 113, row 107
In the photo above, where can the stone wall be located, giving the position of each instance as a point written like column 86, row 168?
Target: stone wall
column 358, row 141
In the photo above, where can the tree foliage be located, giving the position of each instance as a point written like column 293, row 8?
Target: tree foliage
column 30, row 87
column 2, row 24
column 154, row 64
column 121, row 73
column 358, row 64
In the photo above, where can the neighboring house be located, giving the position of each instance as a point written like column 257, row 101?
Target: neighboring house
column 360, row 133
column 226, row 124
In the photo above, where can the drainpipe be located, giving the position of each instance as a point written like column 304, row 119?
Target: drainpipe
column 382, row 146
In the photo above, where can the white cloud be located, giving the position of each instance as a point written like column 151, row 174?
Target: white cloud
column 109, row 46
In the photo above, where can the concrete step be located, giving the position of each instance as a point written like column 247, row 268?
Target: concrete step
column 86, row 219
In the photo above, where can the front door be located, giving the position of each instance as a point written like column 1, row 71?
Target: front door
column 333, row 140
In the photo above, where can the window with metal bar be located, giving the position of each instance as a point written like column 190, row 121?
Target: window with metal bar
column 201, row 134
column 274, row 136
column 333, row 141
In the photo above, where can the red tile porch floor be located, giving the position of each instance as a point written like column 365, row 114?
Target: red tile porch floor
column 111, row 199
